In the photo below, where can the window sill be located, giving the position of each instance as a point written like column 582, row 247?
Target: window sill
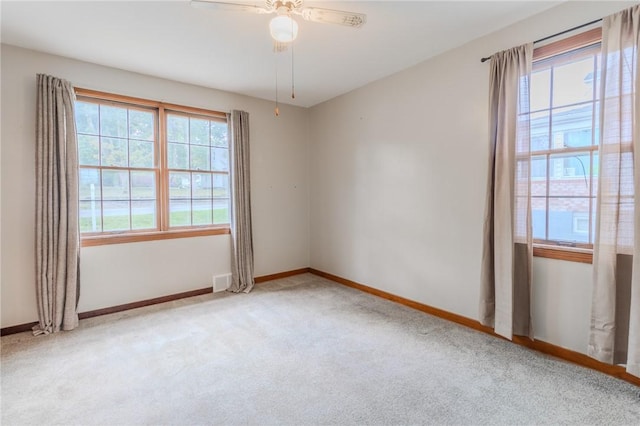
column 564, row 253
column 101, row 240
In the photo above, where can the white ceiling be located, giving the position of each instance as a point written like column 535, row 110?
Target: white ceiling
column 233, row 51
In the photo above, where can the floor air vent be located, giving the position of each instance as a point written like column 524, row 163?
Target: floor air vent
column 221, row 282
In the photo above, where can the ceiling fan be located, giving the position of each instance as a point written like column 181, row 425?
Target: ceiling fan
column 283, row 28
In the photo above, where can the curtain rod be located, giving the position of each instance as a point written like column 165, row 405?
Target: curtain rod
column 556, row 35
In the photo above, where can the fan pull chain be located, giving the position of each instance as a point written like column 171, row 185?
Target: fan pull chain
column 275, row 53
column 293, row 92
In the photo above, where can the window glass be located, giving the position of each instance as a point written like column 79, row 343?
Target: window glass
column 564, row 146
column 116, row 156
column 198, row 161
column 124, row 187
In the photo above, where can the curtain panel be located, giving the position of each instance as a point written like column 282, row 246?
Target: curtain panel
column 242, row 279
column 505, row 295
column 615, row 314
column 57, row 233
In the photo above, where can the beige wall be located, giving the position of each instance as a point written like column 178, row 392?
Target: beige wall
column 398, row 179
column 118, row 274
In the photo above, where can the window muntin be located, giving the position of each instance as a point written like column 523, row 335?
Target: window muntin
column 142, row 172
column 564, row 147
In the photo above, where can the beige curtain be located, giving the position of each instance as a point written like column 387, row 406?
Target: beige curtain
column 505, row 294
column 615, row 313
column 57, row 234
column 241, row 232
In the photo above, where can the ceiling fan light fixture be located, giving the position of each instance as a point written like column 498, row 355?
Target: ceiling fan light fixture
column 283, row 28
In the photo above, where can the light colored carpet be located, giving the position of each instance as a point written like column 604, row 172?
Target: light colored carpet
column 296, row 351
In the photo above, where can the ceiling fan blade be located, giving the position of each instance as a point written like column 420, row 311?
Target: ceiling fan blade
column 349, row 19
column 230, row 7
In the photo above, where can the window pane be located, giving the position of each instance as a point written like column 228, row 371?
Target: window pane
column 220, row 159
column 116, row 215
column 90, row 216
column 539, row 217
column 598, row 75
column 202, row 212
column 539, row 175
column 540, row 131
column 87, row 118
column 143, row 215
column 540, row 89
column 178, row 156
column 569, row 175
column 177, row 128
column 114, row 152
column 143, row 185
column 221, row 211
column 115, row 185
column 179, row 212
column 89, row 184
column 141, row 125
column 221, row 186
column 199, row 157
column 596, row 125
column 141, row 154
column 578, row 138
column 596, row 168
column 572, row 127
column 626, row 179
column 88, row 150
column 199, row 131
column 566, row 219
column 113, row 121
column 179, row 185
column 573, row 82
column 219, row 134
column 581, row 223
column 201, row 185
